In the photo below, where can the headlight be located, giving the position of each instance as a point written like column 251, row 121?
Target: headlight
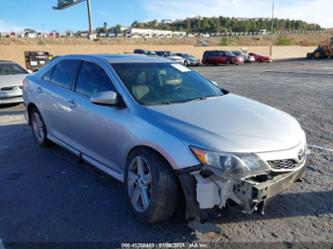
column 231, row 165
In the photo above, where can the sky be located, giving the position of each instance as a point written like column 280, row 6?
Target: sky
column 15, row 15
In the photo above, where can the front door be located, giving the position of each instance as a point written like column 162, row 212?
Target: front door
column 96, row 130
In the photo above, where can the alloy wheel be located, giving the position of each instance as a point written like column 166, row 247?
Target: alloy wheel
column 139, row 180
column 38, row 126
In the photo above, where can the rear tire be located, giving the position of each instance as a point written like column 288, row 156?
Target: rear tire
column 151, row 186
column 38, row 128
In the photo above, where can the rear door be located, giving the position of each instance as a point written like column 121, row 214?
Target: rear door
column 55, row 93
column 221, row 57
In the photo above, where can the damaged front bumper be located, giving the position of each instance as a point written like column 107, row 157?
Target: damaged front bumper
column 205, row 190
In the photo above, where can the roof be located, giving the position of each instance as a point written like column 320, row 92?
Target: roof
column 125, row 58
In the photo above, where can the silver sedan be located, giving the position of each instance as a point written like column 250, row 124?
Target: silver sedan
column 11, row 82
column 165, row 131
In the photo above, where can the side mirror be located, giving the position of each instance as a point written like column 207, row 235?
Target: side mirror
column 105, row 98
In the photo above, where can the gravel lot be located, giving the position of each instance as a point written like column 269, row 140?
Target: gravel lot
column 46, row 196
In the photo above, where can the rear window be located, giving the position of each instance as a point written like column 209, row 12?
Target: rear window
column 64, row 72
column 48, row 75
column 139, row 51
column 11, row 69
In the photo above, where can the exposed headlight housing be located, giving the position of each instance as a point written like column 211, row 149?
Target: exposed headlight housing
column 231, row 165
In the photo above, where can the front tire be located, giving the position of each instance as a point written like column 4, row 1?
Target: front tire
column 151, row 186
column 38, row 128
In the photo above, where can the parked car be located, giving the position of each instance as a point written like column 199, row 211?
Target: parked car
column 189, row 60
column 163, row 129
column 176, row 58
column 171, row 56
column 261, row 58
column 34, row 60
column 11, row 82
column 217, row 57
column 163, row 53
column 144, row 52
column 247, row 58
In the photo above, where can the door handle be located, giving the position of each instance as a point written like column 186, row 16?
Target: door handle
column 72, row 104
column 39, row 90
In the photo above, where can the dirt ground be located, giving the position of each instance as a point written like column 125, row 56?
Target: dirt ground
column 47, row 197
column 16, row 52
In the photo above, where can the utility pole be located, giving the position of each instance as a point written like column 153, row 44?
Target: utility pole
column 91, row 32
column 272, row 29
column 272, row 23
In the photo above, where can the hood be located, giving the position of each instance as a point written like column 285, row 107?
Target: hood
column 229, row 123
column 12, row 80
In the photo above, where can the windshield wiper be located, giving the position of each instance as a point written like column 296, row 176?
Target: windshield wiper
column 183, row 101
column 196, row 99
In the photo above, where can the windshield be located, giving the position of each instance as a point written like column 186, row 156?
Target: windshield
column 11, row 68
column 164, row 83
column 150, row 53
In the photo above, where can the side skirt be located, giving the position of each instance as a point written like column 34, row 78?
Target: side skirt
column 102, row 167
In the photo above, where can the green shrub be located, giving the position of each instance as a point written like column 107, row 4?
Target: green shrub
column 284, row 41
column 40, row 42
column 226, row 41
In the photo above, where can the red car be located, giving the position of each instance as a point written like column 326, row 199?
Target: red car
column 260, row 58
column 216, row 57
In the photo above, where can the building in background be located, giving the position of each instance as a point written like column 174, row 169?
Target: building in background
column 153, row 33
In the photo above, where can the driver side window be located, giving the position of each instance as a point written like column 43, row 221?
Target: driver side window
column 92, row 79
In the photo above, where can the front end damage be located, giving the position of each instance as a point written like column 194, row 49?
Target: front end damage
column 206, row 189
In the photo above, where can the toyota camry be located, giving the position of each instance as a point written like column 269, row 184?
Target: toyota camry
column 165, row 131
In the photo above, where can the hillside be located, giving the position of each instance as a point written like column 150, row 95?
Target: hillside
column 226, row 24
column 312, row 39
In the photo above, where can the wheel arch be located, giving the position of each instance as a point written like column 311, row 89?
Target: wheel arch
column 30, row 106
column 161, row 154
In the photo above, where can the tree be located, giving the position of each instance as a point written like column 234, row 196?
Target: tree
column 105, row 27
column 226, row 24
column 134, row 24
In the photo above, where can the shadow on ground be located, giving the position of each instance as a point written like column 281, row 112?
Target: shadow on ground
column 284, row 206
